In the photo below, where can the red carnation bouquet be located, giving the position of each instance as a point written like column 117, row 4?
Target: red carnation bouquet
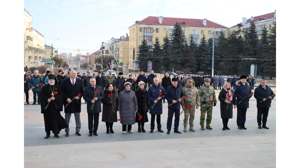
column 188, row 107
column 27, row 78
column 269, row 97
column 79, row 94
column 119, row 85
column 182, row 98
column 110, row 96
column 139, row 116
column 95, row 92
column 55, row 93
column 245, row 97
column 40, row 84
column 160, row 93
column 228, row 98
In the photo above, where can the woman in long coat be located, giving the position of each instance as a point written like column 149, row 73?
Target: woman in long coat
column 127, row 107
column 142, row 101
column 227, row 99
column 110, row 107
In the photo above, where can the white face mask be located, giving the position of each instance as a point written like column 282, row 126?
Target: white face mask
column 51, row 83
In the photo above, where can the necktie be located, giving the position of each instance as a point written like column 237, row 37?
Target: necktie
column 73, row 82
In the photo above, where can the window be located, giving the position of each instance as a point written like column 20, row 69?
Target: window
column 269, row 27
column 148, row 38
column 148, row 29
column 157, row 30
column 187, row 31
column 165, row 30
column 141, row 29
column 157, row 39
column 202, row 32
column 140, row 38
column 194, row 32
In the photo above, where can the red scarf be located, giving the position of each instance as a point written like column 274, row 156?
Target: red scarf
column 228, row 95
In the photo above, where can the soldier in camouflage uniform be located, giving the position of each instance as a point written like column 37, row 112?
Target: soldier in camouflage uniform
column 192, row 99
column 110, row 79
column 189, row 77
column 206, row 94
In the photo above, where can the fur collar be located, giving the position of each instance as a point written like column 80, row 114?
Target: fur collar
column 239, row 83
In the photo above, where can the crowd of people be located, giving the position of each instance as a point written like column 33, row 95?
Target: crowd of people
column 129, row 100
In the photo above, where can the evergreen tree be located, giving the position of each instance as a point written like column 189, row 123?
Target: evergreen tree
column 157, row 57
column 263, row 52
column 166, row 54
column 202, row 56
column 177, row 46
column 189, row 60
column 143, row 55
column 270, row 68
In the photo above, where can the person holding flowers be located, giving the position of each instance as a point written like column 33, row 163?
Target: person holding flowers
column 127, row 107
column 264, row 95
column 51, row 104
column 110, row 107
column 155, row 95
column 174, row 94
column 227, row 100
column 93, row 95
column 188, row 104
column 207, row 101
column 36, row 86
column 120, row 82
column 243, row 93
column 141, row 118
column 73, row 88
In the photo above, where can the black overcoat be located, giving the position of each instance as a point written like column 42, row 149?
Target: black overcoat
column 143, row 105
column 226, row 113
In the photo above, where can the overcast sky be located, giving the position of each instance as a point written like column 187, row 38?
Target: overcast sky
column 84, row 24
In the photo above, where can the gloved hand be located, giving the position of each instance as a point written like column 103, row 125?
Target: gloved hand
column 110, row 103
column 215, row 103
column 204, row 102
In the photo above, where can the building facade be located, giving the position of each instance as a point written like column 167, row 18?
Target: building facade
column 153, row 28
column 34, row 43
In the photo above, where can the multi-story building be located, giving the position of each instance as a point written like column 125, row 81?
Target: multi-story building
column 153, row 28
column 262, row 21
column 34, row 43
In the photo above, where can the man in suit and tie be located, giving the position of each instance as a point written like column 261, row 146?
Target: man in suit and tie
column 73, row 88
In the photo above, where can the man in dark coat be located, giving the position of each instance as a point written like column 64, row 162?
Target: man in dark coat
column 120, row 83
column 180, row 80
column 52, row 94
column 83, row 76
column 61, row 78
column 249, row 81
column 221, row 82
column 229, row 80
column 86, row 79
column 253, row 82
column 36, row 83
column 100, row 80
column 93, row 95
column 141, row 77
column 26, row 87
column 262, row 92
column 233, row 81
column 243, row 93
column 73, row 88
column 174, row 94
column 155, row 98
column 150, row 78
column 166, row 82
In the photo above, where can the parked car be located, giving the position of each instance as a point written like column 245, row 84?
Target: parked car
column 112, row 72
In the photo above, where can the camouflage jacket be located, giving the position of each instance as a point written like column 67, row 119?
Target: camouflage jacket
column 110, row 80
column 207, row 94
column 191, row 79
column 192, row 96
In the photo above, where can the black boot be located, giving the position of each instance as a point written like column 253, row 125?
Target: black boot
column 143, row 130
column 90, row 133
column 107, row 128
column 139, row 129
column 111, row 129
column 47, row 136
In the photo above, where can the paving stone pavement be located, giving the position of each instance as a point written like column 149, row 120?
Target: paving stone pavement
column 251, row 148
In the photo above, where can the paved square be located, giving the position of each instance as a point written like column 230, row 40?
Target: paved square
column 251, row 148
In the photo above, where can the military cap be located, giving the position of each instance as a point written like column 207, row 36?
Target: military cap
column 109, row 73
column 60, row 70
column 88, row 71
column 189, row 80
column 206, row 79
column 99, row 72
column 174, row 79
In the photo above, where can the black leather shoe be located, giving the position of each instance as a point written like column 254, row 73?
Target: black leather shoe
column 112, row 131
column 160, row 130
column 227, row 128
column 27, row 102
column 244, row 128
column 224, row 129
column 90, row 134
column 143, row 130
column 168, row 132
column 151, row 131
column 33, row 103
column 67, row 134
column 77, row 133
column 265, row 127
column 47, row 136
column 56, row 136
column 95, row 133
column 240, row 128
column 177, row 132
column 259, row 127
